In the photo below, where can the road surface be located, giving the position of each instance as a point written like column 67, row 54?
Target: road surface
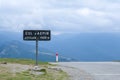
column 91, row 70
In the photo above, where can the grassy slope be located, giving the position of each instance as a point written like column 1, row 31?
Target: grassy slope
column 5, row 74
column 20, row 61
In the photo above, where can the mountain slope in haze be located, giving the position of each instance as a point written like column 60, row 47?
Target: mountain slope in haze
column 89, row 47
column 83, row 47
column 16, row 49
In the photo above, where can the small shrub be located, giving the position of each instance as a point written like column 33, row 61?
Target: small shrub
column 43, row 70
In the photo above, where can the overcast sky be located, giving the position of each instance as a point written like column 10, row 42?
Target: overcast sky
column 60, row 16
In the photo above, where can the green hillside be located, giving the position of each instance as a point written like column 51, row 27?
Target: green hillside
column 20, row 69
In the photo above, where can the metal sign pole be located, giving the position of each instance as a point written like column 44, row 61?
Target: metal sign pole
column 37, row 35
column 36, row 51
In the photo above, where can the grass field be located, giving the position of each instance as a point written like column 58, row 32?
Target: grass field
column 21, row 61
column 6, row 71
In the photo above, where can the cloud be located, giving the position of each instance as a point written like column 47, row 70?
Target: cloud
column 88, row 12
column 60, row 16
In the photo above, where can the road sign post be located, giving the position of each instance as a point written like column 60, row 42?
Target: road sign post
column 36, row 35
column 36, row 52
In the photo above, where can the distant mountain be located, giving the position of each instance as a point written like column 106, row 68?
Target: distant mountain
column 16, row 49
column 82, row 47
column 88, row 46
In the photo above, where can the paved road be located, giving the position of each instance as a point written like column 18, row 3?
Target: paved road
column 98, row 70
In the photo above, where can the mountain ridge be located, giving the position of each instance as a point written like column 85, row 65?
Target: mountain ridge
column 16, row 49
column 82, row 47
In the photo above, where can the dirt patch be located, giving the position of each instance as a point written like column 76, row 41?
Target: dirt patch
column 15, row 67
